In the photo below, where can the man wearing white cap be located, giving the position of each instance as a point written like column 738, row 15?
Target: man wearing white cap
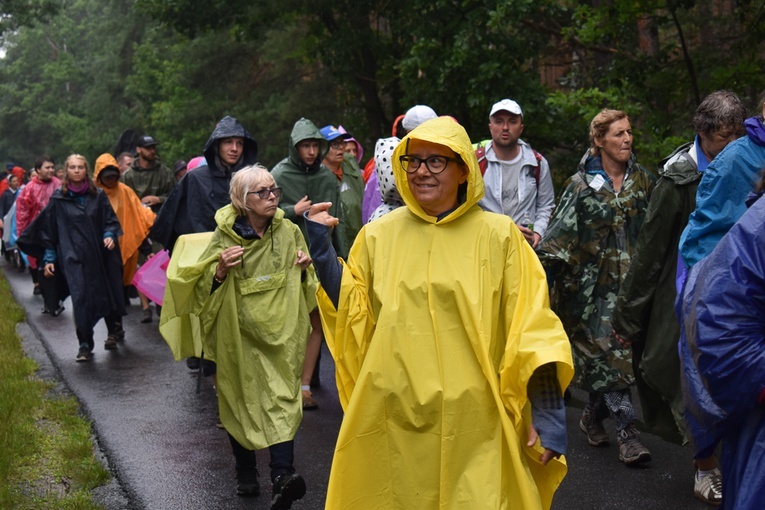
column 517, row 178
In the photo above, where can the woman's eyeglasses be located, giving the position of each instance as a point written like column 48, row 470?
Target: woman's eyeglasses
column 265, row 193
column 434, row 164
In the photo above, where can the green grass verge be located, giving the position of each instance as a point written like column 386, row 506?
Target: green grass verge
column 46, row 454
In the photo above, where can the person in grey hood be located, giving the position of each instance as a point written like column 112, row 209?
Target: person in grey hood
column 191, row 206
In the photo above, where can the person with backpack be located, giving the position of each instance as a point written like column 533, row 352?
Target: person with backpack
column 517, row 178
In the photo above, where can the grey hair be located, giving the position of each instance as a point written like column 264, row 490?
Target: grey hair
column 245, row 180
column 721, row 110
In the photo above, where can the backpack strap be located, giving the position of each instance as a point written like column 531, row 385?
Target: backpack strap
column 483, row 163
column 538, row 156
column 480, row 154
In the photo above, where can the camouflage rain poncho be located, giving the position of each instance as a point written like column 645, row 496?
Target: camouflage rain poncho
column 587, row 250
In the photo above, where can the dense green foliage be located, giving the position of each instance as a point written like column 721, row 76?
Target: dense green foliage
column 171, row 69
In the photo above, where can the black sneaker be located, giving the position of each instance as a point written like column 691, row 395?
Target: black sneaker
column 247, row 484
column 146, row 315
column 83, row 354
column 192, row 363
column 58, row 311
column 286, row 489
column 37, row 290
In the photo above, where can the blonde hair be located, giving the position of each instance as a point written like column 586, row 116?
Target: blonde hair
column 65, row 181
column 244, row 181
column 600, row 124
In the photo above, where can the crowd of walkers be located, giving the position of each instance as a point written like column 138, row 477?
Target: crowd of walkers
column 458, row 298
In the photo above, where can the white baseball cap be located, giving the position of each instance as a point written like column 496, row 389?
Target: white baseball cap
column 416, row 115
column 507, row 105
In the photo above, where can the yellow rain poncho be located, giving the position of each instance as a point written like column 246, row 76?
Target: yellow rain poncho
column 439, row 326
column 254, row 326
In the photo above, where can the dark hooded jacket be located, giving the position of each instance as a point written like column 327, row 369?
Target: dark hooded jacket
column 298, row 180
column 75, row 229
column 191, row 206
column 644, row 309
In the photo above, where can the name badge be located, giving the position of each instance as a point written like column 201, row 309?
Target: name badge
column 597, row 182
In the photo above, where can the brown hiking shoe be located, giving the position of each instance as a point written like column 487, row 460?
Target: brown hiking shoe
column 596, row 433
column 631, row 450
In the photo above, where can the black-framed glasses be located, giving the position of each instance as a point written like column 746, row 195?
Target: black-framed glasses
column 434, row 164
column 265, row 193
column 337, row 145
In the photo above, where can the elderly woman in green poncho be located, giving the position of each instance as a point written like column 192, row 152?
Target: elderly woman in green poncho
column 249, row 292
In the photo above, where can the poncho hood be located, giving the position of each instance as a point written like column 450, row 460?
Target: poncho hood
column 226, row 216
column 445, row 131
column 104, row 161
column 228, row 127
column 304, row 129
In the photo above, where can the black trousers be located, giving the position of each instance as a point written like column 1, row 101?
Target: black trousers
column 113, row 325
column 49, row 288
column 282, row 457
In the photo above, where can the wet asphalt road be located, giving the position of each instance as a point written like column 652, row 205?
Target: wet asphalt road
column 160, row 441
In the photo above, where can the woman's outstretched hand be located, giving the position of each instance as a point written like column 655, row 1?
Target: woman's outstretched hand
column 318, row 213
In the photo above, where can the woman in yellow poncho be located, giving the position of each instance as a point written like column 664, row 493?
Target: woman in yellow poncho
column 444, row 341
column 251, row 287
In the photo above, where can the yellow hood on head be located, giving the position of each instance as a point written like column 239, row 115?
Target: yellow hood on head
column 445, row 131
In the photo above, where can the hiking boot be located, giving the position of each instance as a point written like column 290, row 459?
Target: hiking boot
column 708, row 488
column 631, row 450
column 146, row 315
column 247, row 484
column 309, row 404
column 110, row 343
column 590, row 425
column 83, row 354
column 286, row 489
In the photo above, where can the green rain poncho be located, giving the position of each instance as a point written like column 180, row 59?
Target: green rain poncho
column 254, row 326
column 438, row 329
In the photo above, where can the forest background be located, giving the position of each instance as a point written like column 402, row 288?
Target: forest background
column 75, row 74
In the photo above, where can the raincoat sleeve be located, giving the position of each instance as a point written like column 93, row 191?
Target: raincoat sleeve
column 137, row 222
column 720, row 201
column 534, row 333
column 728, row 309
column 163, row 230
column 654, row 245
column 41, row 234
column 349, row 327
column 534, row 337
column 560, row 244
column 111, row 223
column 24, row 210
